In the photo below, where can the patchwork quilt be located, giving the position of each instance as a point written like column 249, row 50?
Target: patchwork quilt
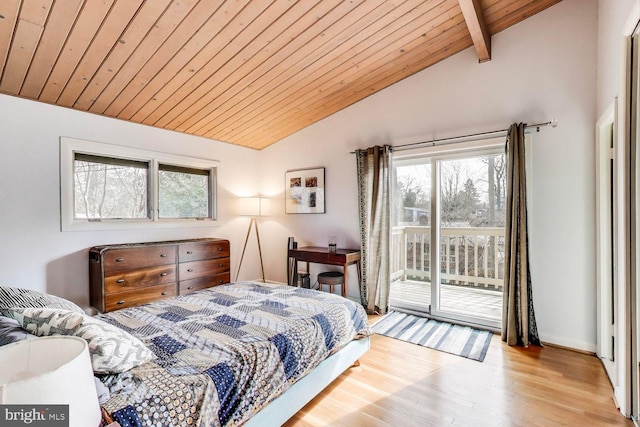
column 224, row 353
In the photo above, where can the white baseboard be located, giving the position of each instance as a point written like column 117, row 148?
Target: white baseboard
column 568, row 343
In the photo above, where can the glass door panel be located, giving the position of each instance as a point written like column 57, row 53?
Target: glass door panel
column 411, row 237
column 471, row 218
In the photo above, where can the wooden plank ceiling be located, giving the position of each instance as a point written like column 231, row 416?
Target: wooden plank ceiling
column 240, row 71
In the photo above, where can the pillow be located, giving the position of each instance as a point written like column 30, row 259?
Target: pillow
column 10, row 331
column 25, row 298
column 112, row 350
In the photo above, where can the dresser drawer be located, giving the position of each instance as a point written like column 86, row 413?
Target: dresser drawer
column 191, row 270
column 130, row 258
column 203, row 250
column 139, row 296
column 188, row 286
column 144, row 277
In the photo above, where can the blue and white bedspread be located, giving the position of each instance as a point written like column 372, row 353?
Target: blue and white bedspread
column 225, row 352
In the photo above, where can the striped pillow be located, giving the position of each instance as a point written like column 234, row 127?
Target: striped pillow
column 112, row 349
column 26, row 298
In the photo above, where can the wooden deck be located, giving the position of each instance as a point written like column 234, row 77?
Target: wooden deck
column 416, row 295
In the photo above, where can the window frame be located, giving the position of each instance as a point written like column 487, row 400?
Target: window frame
column 70, row 146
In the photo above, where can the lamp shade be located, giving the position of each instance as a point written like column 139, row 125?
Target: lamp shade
column 253, row 206
column 53, row 370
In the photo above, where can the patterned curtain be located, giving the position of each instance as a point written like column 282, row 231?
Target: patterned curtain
column 374, row 201
column 518, row 319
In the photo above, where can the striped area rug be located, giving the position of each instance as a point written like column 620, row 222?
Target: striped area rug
column 455, row 339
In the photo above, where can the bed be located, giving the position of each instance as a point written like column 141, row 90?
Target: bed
column 247, row 353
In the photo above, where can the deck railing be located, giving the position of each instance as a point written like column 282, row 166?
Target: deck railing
column 468, row 256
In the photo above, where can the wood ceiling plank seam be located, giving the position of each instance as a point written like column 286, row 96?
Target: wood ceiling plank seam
column 283, row 37
column 521, row 14
column 10, row 12
column 245, row 77
column 136, row 30
column 302, row 45
column 28, row 33
column 232, row 57
column 399, row 48
column 197, row 48
column 226, row 38
column 170, row 93
column 392, row 43
column 502, row 8
column 342, row 101
column 108, row 35
column 380, row 66
column 293, row 72
column 380, row 41
column 160, row 32
column 87, row 23
column 474, row 17
column 254, row 51
column 192, row 25
column 56, row 31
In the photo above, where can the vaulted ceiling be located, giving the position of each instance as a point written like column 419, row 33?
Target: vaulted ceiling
column 243, row 72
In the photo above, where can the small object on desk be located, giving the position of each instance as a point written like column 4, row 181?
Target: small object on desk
column 332, row 244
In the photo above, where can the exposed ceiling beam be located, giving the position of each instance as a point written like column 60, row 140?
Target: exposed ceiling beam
column 474, row 18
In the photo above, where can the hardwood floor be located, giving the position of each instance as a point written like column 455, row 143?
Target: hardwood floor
column 402, row 384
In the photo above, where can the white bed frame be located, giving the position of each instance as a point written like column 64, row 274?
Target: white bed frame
column 304, row 390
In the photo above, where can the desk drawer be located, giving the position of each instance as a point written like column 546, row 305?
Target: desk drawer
column 144, row 277
column 139, row 296
column 191, row 270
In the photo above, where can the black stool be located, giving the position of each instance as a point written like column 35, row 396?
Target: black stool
column 331, row 278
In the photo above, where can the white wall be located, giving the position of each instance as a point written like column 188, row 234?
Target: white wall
column 34, row 253
column 543, row 68
column 612, row 17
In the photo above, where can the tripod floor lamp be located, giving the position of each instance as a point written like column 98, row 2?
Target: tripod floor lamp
column 253, row 207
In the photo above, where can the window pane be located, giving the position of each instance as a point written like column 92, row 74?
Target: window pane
column 183, row 192
column 110, row 188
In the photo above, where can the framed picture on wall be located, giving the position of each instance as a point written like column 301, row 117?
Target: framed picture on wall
column 304, row 191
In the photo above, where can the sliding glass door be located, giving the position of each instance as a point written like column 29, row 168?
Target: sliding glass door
column 448, row 236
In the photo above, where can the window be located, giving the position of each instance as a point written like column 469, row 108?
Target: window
column 112, row 187
column 183, row 192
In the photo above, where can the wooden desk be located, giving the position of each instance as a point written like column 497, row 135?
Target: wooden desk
column 319, row 255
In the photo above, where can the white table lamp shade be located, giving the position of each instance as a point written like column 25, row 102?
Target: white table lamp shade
column 52, row 370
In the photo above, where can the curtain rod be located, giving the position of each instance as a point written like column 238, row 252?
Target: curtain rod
column 465, row 138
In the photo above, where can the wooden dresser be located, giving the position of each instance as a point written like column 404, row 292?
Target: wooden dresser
column 136, row 273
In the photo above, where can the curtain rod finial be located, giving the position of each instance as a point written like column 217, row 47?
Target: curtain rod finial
column 554, row 123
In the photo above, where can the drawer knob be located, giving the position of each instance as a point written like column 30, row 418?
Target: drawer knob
column 220, row 249
column 190, row 270
column 163, row 255
column 163, row 274
column 189, row 287
column 220, row 281
column 220, row 265
column 164, row 293
column 120, row 281
column 120, row 302
column 119, row 259
column 189, row 252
